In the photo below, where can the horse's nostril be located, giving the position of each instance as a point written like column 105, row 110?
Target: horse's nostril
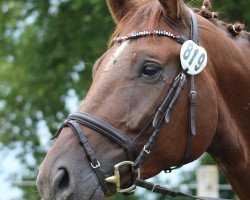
column 64, row 183
column 61, row 180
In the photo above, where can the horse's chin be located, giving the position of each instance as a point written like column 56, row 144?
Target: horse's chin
column 97, row 195
column 88, row 189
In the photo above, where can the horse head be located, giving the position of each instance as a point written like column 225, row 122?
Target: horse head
column 129, row 109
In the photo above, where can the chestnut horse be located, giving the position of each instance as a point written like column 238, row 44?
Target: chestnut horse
column 130, row 84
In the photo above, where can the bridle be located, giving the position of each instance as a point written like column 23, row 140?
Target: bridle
column 163, row 112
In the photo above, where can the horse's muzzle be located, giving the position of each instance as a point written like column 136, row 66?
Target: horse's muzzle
column 65, row 173
column 61, row 185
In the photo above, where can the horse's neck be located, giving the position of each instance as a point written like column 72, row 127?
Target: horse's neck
column 231, row 146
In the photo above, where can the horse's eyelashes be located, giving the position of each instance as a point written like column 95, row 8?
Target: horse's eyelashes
column 150, row 70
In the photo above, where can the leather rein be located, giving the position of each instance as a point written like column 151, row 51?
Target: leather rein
column 163, row 112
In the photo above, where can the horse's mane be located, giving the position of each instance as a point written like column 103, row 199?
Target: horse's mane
column 152, row 11
column 236, row 29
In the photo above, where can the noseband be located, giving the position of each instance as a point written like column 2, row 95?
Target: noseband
column 163, row 112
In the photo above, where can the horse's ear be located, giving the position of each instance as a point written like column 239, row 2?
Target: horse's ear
column 173, row 8
column 119, row 8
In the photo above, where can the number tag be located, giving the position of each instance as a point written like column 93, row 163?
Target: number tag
column 193, row 57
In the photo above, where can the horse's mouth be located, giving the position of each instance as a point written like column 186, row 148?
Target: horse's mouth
column 97, row 194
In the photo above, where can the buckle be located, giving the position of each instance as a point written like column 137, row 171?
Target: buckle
column 193, row 92
column 95, row 166
column 116, row 177
column 145, row 150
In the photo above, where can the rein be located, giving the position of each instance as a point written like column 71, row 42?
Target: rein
column 163, row 112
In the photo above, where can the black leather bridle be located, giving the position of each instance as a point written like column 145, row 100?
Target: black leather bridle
column 163, row 112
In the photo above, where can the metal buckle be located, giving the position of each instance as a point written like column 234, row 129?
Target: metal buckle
column 116, row 178
column 95, row 166
column 193, row 92
column 145, row 150
column 153, row 188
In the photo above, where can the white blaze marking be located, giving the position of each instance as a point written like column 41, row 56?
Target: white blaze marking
column 115, row 55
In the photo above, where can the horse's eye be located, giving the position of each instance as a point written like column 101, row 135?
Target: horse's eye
column 150, row 70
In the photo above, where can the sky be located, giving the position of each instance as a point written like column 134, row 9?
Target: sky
column 9, row 165
column 11, row 170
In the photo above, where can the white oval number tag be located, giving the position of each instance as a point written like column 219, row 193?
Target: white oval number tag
column 193, row 57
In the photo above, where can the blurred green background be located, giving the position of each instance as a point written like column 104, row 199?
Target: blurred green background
column 47, row 49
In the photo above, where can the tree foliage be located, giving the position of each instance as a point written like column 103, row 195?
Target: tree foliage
column 47, row 50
